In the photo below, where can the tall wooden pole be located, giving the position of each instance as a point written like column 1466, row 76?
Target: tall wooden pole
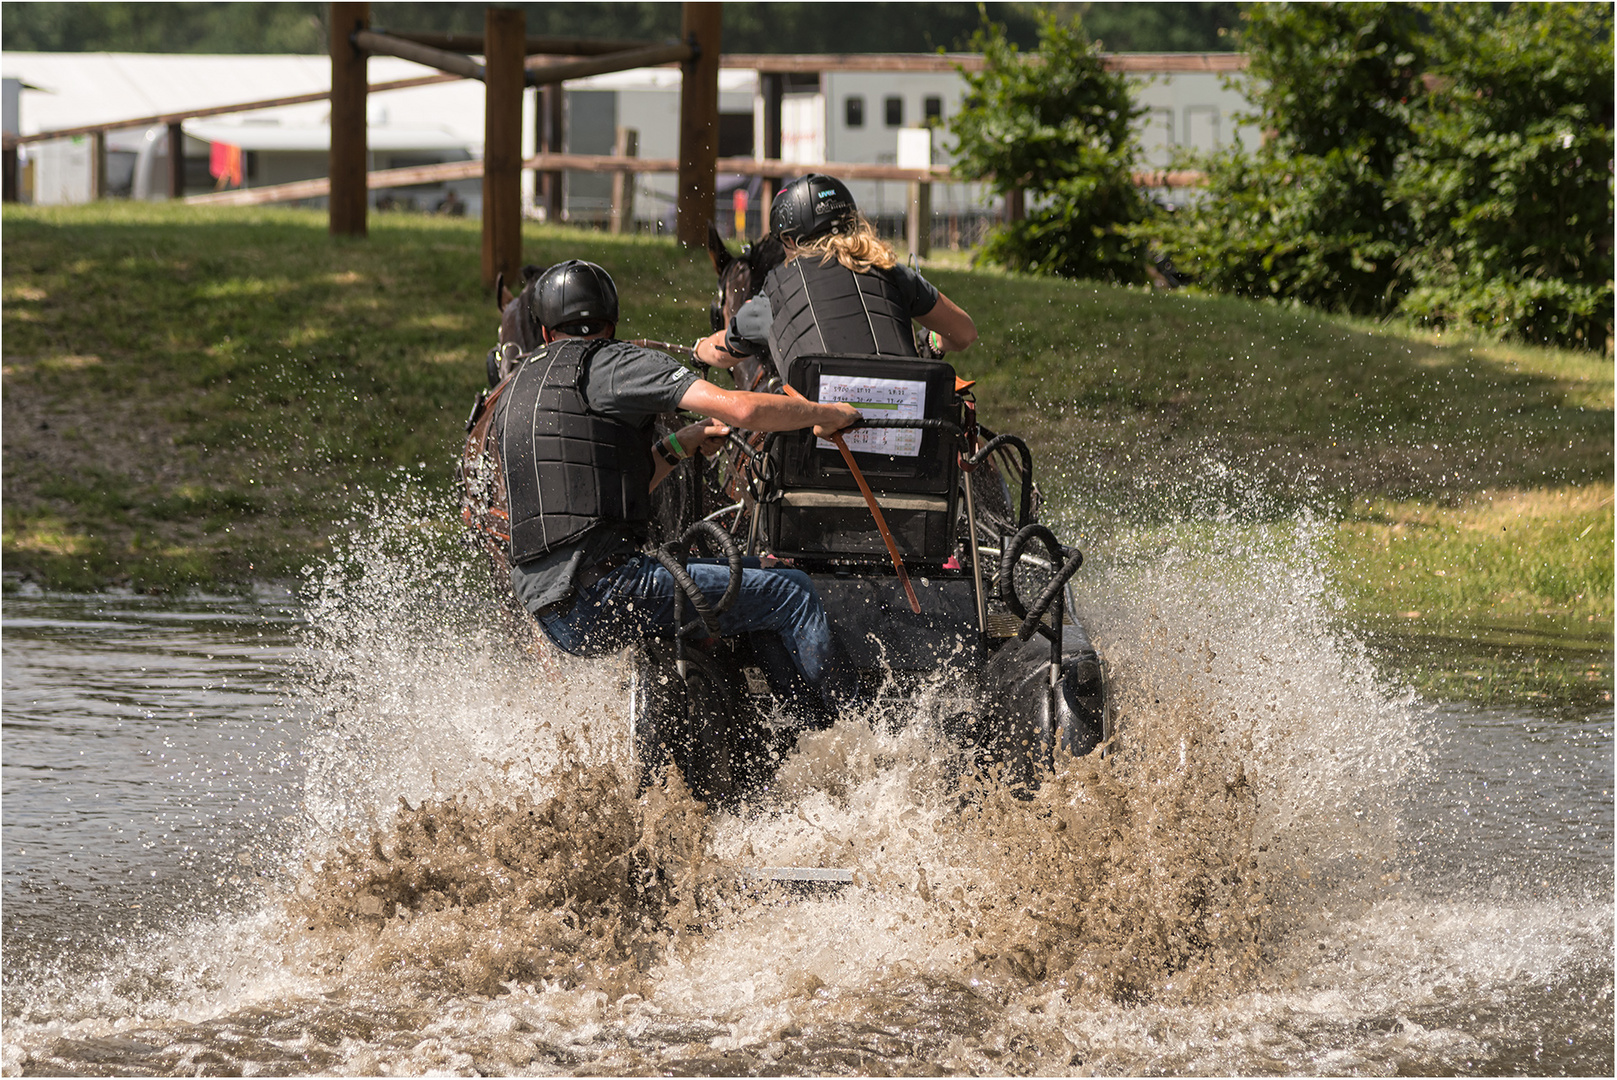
column 773, row 87
column 504, row 48
column 176, row 161
column 698, row 123
column 349, row 198
column 98, row 165
column 550, row 137
column 627, row 144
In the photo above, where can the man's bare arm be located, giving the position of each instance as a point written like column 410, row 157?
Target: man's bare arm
column 767, row 412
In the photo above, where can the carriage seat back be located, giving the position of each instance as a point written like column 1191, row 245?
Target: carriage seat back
column 914, row 473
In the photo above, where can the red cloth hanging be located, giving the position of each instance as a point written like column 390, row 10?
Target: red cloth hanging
column 225, row 165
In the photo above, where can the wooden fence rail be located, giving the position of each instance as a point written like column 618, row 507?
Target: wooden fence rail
column 606, row 163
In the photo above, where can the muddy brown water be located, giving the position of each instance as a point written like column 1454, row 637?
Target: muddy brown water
column 360, row 833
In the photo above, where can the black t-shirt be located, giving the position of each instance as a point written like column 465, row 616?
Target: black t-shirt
column 630, row 384
column 748, row 332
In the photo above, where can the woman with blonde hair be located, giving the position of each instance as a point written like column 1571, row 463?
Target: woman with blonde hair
column 841, row 289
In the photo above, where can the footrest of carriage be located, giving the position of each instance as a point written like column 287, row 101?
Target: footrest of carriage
column 799, row 878
column 817, row 524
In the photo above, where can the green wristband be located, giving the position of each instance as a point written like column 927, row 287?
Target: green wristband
column 673, row 441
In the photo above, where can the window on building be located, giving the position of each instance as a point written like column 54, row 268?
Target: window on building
column 932, row 109
column 894, row 105
column 853, row 110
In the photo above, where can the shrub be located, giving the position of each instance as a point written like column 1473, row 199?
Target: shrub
column 1060, row 128
column 1308, row 217
column 1509, row 182
column 1458, row 173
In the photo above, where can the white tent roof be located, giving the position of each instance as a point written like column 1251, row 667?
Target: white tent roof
column 75, row 89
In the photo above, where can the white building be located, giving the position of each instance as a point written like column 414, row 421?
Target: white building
column 421, row 125
column 837, row 116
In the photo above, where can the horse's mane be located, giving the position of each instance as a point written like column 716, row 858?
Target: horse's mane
column 762, row 256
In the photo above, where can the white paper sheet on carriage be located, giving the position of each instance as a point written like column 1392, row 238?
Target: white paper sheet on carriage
column 884, row 399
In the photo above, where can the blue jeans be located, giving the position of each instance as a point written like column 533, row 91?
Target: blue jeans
column 636, row 600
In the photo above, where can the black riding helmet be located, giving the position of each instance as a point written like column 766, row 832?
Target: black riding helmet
column 574, row 296
column 811, row 206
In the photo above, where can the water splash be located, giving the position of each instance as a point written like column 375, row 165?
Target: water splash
column 478, row 886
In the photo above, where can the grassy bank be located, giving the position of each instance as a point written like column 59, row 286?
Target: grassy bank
column 197, row 397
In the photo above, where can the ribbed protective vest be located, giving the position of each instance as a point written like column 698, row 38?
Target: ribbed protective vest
column 827, row 308
column 568, row 468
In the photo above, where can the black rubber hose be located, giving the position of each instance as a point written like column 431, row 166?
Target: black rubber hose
column 722, row 543
column 948, row 427
column 1027, row 469
column 706, row 617
column 1032, row 618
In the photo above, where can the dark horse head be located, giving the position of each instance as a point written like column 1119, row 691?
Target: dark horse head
column 740, row 277
column 519, row 335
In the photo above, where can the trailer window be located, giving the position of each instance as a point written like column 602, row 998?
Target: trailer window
column 895, row 111
column 853, row 110
column 932, row 109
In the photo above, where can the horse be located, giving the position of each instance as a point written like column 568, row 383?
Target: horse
column 518, row 336
column 740, row 278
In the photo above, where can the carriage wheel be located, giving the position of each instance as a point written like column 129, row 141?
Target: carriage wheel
column 683, row 722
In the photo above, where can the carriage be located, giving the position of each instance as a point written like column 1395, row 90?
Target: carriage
column 920, row 534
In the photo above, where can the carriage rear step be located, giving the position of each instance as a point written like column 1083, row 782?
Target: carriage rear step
column 799, row 878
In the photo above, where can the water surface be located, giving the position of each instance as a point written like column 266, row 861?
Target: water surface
column 367, row 834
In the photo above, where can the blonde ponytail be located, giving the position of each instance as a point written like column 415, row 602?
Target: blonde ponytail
column 856, row 247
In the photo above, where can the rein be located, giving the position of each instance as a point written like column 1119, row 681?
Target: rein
column 665, row 346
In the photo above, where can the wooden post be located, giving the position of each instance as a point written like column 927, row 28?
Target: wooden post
column 504, row 43
column 919, row 225
column 550, row 137
column 98, row 164
column 627, row 145
column 1015, row 204
column 772, row 88
column 698, row 123
column 176, row 161
column 349, row 200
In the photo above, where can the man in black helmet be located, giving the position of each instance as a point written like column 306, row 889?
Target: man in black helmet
column 840, row 290
column 574, row 429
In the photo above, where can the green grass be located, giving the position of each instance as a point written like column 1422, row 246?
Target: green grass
column 197, row 397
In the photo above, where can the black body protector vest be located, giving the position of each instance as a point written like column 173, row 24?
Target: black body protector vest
column 827, row 308
column 568, row 468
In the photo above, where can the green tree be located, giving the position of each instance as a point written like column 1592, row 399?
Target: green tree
column 1447, row 163
column 1508, row 186
column 1060, row 127
column 1157, row 27
column 179, row 28
column 1309, row 217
